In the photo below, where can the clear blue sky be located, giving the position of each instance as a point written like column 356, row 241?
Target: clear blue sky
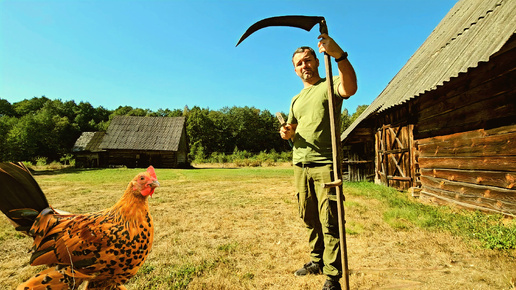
column 167, row 54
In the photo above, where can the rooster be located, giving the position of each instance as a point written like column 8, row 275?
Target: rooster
column 103, row 249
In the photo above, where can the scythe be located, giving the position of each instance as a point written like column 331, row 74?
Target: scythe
column 307, row 23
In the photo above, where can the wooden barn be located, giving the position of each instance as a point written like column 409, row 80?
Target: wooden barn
column 143, row 141
column 445, row 126
column 87, row 151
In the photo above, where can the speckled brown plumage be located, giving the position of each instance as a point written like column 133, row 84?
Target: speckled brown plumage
column 104, row 249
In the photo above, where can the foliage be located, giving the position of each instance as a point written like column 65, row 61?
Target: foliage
column 244, row 158
column 231, row 129
column 404, row 213
column 346, row 119
column 41, row 127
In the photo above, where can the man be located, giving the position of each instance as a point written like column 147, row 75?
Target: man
column 308, row 125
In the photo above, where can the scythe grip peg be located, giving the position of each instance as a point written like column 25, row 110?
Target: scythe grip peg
column 335, row 183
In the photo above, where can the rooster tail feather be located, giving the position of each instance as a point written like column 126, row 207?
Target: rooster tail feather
column 21, row 198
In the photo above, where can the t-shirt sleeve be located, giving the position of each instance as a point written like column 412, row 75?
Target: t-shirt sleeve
column 336, row 84
column 291, row 119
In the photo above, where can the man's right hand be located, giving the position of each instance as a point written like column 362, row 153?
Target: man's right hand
column 287, row 131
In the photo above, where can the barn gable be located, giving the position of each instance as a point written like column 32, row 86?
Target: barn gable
column 444, row 125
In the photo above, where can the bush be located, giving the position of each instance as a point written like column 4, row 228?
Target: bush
column 41, row 161
column 67, row 158
column 243, row 158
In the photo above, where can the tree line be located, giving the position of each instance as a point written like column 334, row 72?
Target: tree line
column 45, row 128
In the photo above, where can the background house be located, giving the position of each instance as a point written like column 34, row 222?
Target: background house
column 87, row 151
column 135, row 142
column 143, row 141
column 445, row 126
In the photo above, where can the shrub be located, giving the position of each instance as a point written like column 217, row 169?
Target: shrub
column 41, row 161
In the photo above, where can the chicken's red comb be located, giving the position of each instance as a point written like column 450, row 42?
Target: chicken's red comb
column 150, row 170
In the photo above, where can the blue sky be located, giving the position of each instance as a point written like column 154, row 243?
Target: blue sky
column 167, row 54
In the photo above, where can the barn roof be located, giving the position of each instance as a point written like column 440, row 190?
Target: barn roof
column 144, row 133
column 470, row 33
column 88, row 141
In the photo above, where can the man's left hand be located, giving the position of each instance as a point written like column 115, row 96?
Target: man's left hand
column 328, row 45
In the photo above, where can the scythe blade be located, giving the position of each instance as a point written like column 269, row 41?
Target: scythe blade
column 299, row 21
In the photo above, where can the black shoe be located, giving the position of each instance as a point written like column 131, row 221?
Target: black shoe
column 309, row 268
column 331, row 285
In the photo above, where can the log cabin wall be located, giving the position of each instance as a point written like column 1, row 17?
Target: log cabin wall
column 142, row 159
column 458, row 93
column 474, row 169
column 466, row 135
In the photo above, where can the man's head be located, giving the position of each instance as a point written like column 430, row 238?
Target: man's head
column 302, row 49
column 306, row 65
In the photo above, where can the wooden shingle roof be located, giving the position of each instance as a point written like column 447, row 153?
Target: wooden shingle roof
column 88, row 141
column 144, row 133
column 471, row 32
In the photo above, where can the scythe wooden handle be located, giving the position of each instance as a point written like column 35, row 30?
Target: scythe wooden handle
column 337, row 164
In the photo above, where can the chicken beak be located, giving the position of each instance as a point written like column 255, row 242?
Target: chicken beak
column 154, row 184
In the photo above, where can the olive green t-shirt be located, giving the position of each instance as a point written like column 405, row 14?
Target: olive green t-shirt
column 309, row 110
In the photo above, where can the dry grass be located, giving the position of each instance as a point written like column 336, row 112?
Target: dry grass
column 238, row 229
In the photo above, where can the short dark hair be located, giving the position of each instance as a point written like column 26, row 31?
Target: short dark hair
column 302, row 49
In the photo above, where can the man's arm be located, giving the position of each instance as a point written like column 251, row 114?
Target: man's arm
column 348, row 85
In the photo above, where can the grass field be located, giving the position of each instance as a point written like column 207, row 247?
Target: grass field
column 238, row 229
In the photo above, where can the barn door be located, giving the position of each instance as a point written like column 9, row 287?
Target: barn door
column 395, row 156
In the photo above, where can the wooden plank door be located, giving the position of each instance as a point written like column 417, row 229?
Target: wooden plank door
column 395, row 156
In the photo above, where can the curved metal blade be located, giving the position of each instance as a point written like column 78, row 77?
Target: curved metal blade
column 299, row 21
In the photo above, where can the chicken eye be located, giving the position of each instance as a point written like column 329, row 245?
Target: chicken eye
column 142, row 178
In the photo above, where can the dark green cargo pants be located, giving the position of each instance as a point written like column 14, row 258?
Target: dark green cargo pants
column 318, row 209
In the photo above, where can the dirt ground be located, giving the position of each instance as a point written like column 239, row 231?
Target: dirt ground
column 242, row 232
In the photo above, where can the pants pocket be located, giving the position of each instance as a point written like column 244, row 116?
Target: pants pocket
column 332, row 214
column 300, row 206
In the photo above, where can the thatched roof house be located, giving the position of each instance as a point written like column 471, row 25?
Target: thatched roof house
column 446, row 123
column 143, row 141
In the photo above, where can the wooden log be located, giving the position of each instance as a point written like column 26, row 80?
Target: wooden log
column 437, row 197
column 357, row 161
column 394, row 151
column 398, row 178
column 492, row 178
column 477, row 114
column 490, row 203
column 471, row 143
column 489, row 146
column 480, row 133
column 414, row 191
column 430, row 109
column 507, row 163
column 462, row 189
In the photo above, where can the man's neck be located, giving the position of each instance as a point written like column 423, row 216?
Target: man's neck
column 311, row 82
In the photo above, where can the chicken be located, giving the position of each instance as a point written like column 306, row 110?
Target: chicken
column 103, row 249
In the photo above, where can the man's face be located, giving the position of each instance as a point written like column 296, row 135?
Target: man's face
column 306, row 65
